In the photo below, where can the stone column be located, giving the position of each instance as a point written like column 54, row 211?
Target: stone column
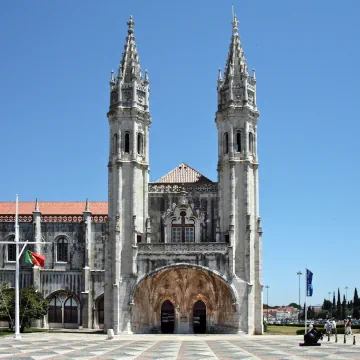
column 86, row 298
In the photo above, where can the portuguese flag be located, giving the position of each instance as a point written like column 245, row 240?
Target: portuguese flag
column 34, row 258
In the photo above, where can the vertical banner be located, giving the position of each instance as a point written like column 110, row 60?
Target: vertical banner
column 309, row 287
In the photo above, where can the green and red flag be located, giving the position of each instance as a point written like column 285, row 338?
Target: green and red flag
column 34, row 258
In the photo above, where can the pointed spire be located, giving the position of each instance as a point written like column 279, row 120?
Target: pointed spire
column 146, row 76
column 130, row 64
column 87, row 208
column 253, row 75
column 219, row 75
column 236, row 62
column 37, row 205
column 112, row 78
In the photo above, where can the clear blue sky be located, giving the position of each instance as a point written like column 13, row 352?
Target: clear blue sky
column 55, row 63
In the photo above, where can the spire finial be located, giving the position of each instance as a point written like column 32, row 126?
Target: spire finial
column 234, row 22
column 219, row 75
column 36, row 205
column 87, row 205
column 131, row 24
column 146, row 75
column 112, row 79
column 253, row 74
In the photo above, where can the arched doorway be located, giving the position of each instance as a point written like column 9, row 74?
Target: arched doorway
column 167, row 317
column 199, row 318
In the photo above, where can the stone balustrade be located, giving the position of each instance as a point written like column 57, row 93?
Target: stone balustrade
column 183, row 248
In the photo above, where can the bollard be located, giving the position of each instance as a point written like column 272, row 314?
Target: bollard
column 328, row 336
column 354, row 341
column 110, row 334
column 335, row 337
column 344, row 338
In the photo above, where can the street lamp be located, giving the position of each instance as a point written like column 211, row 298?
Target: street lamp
column 267, row 300
column 299, row 273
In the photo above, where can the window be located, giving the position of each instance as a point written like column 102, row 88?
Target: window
column 138, row 238
column 226, row 143
column 251, row 142
column 189, row 234
column 115, row 144
column 11, row 250
column 140, row 143
column 127, row 143
column 54, row 311
column 62, row 250
column 176, row 234
column 70, row 311
column 238, row 141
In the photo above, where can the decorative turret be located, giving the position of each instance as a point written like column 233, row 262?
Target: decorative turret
column 237, row 88
column 129, row 89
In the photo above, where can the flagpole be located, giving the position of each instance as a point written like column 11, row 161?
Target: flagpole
column 305, row 298
column 17, row 335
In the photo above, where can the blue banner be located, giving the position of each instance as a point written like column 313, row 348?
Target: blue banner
column 309, row 287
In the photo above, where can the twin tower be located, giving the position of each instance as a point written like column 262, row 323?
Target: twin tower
column 227, row 254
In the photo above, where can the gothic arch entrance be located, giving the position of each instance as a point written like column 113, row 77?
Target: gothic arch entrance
column 167, row 317
column 199, row 318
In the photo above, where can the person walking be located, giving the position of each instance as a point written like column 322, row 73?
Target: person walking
column 333, row 326
column 348, row 324
column 328, row 326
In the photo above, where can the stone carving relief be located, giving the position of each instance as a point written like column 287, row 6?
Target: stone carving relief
column 177, row 188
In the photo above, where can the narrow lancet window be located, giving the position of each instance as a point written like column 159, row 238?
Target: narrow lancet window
column 226, row 143
column 238, row 141
column 127, row 143
column 140, row 144
column 251, row 143
column 115, row 144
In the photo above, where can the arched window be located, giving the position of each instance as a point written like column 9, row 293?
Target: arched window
column 226, row 143
column 11, row 250
column 71, row 311
column 62, row 250
column 115, row 144
column 140, row 143
column 183, row 232
column 54, row 311
column 238, row 141
column 251, row 142
column 127, row 143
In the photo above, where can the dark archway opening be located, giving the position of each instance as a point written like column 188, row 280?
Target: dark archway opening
column 199, row 318
column 167, row 317
column 101, row 311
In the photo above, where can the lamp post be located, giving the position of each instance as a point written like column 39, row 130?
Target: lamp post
column 267, row 300
column 299, row 273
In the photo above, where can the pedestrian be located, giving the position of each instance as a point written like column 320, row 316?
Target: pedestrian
column 328, row 326
column 348, row 324
column 333, row 326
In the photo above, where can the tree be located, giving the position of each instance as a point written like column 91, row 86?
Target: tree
column 32, row 305
column 333, row 303
column 326, row 305
column 295, row 305
column 338, row 307
column 356, row 299
column 344, row 308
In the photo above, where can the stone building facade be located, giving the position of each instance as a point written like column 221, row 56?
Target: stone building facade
column 179, row 255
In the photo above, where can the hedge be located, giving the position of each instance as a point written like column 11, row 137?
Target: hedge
column 318, row 326
column 338, row 330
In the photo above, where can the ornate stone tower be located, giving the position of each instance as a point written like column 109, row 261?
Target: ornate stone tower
column 236, row 121
column 129, row 121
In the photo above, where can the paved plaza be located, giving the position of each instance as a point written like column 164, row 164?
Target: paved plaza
column 66, row 346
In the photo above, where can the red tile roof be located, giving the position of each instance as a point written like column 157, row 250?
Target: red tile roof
column 183, row 174
column 55, row 208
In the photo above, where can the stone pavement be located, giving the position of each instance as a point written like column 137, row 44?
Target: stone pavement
column 66, row 346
